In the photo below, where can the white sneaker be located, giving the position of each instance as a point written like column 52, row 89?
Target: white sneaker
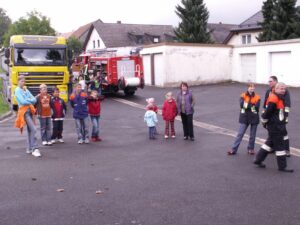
column 80, row 141
column 49, row 143
column 44, row 143
column 173, row 136
column 166, row 136
column 60, row 140
column 53, row 141
column 36, row 153
column 86, row 141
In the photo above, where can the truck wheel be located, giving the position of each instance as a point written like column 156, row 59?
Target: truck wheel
column 129, row 92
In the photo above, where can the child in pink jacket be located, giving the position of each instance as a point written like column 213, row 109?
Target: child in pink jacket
column 169, row 112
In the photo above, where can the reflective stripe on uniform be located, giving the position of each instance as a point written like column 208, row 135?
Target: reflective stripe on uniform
column 280, row 153
column 287, row 109
column 264, row 120
column 266, row 147
column 286, row 138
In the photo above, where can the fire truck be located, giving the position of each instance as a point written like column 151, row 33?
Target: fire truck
column 115, row 73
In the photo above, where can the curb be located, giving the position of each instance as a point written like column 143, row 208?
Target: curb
column 6, row 115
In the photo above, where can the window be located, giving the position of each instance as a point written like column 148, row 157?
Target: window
column 98, row 43
column 246, row 39
column 156, row 39
column 94, row 44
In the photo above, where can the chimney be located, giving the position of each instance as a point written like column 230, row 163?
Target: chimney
column 119, row 22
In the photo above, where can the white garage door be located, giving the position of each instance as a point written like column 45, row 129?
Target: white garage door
column 159, row 69
column 248, row 67
column 147, row 69
column 281, row 66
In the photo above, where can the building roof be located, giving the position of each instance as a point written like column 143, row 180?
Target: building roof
column 220, row 31
column 82, row 31
column 251, row 23
column 121, row 35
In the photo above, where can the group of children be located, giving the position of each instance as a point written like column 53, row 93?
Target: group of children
column 53, row 109
column 169, row 112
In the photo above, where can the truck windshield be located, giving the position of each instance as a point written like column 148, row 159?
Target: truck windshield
column 40, row 57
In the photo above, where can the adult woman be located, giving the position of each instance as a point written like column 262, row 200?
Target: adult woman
column 185, row 105
column 249, row 107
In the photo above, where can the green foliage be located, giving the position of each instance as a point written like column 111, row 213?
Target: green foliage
column 5, row 22
column 33, row 24
column 281, row 20
column 3, row 104
column 75, row 45
column 193, row 26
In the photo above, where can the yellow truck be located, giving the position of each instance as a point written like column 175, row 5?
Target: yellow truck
column 40, row 59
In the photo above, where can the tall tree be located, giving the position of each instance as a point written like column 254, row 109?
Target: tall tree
column 193, row 26
column 281, row 20
column 75, row 45
column 33, row 24
column 268, row 11
column 5, row 22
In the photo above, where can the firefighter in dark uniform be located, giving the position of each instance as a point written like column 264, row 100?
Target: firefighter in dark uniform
column 274, row 119
column 287, row 102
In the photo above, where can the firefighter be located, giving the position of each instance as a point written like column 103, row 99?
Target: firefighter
column 249, row 108
column 273, row 119
column 287, row 102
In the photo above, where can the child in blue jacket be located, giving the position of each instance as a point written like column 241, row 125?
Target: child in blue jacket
column 151, row 119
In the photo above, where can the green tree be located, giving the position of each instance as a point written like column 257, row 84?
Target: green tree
column 268, row 11
column 5, row 22
column 75, row 45
column 281, row 20
column 193, row 26
column 33, row 24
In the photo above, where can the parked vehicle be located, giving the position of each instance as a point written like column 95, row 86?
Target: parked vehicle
column 115, row 73
column 40, row 59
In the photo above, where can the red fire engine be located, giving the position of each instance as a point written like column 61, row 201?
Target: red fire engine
column 114, row 72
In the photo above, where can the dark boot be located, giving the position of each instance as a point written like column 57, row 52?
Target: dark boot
column 281, row 162
column 260, row 157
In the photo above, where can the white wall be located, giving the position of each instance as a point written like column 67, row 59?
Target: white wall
column 195, row 64
column 279, row 58
column 94, row 37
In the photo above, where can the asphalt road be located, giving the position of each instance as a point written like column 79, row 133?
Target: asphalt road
column 138, row 181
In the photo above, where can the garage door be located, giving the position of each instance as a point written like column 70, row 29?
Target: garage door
column 281, row 66
column 248, row 67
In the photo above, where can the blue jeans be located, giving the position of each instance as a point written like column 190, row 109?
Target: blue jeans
column 240, row 135
column 45, row 124
column 31, row 131
column 82, row 128
column 95, row 123
column 151, row 132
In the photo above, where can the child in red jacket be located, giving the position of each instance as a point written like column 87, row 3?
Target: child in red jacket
column 94, row 109
column 169, row 112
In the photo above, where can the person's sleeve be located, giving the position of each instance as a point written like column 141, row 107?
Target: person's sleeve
column 241, row 102
column 266, row 98
column 20, row 98
column 287, row 101
column 32, row 98
column 193, row 101
column 257, row 105
column 163, row 110
column 155, row 118
column 268, row 112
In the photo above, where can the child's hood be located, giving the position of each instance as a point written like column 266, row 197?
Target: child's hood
column 149, row 113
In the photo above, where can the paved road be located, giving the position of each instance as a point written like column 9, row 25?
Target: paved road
column 173, row 182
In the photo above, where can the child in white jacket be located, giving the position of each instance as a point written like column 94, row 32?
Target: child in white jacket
column 151, row 119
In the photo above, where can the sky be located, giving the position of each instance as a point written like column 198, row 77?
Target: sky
column 68, row 15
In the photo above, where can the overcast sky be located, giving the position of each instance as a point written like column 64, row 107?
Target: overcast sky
column 66, row 15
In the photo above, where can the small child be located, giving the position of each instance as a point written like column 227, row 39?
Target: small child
column 82, row 82
column 151, row 101
column 80, row 113
column 151, row 119
column 59, row 109
column 44, row 114
column 169, row 112
column 94, row 107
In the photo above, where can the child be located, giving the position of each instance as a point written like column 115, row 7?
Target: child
column 94, row 107
column 44, row 114
column 59, row 109
column 82, row 82
column 151, row 119
column 169, row 112
column 80, row 114
column 151, row 101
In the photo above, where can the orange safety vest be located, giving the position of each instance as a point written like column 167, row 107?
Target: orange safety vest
column 247, row 98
